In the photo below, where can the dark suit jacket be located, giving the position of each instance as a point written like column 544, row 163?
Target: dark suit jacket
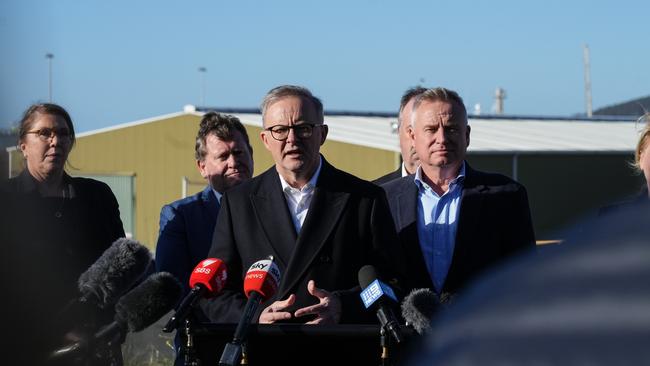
column 348, row 226
column 389, row 177
column 185, row 237
column 494, row 223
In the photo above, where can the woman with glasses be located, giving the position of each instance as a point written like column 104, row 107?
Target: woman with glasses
column 56, row 227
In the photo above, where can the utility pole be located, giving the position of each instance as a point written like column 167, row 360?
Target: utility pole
column 585, row 57
column 202, row 70
column 49, row 58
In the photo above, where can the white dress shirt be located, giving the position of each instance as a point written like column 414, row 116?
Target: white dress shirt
column 298, row 200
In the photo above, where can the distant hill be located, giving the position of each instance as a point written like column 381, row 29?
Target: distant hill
column 636, row 108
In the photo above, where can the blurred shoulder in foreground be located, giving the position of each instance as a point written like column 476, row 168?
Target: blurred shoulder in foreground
column 584, row 302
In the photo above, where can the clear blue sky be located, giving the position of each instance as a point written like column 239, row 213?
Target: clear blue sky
column 120, row 61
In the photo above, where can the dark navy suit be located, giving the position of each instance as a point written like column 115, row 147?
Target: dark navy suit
column 494, row 223
column 186, row 228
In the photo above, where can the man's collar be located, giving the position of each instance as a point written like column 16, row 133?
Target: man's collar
column 217, row 194
column 404, row 172
column 459, row 178
column 461, row 173
column 312, row 181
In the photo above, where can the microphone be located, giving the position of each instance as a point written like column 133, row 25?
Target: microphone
column 261, row 283
column 378, row 295
column 135, row 311
column 207, row 279
column 418, row 308
column 113, row 273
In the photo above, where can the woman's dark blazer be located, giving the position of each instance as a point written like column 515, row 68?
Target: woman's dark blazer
column 48, row 243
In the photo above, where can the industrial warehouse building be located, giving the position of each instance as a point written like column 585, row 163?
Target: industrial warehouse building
column 569, row 166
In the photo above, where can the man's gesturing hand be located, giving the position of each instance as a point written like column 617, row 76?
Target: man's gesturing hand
column 274, row 312
column 328, row 309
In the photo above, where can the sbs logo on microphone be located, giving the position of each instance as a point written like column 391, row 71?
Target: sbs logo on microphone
column 203, row 270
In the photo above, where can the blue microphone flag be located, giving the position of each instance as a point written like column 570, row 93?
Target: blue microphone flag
column 375, row 290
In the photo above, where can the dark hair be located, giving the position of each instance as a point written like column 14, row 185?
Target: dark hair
column 406, row 97
column 31, row 113
column 283, row 91
column 223, row 126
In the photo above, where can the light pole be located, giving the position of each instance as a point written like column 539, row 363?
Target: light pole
column 585, row 58
column 203, row 70
column 49, row 58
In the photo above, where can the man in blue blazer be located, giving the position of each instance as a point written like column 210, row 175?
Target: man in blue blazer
column 454, row 222
column 224, row 158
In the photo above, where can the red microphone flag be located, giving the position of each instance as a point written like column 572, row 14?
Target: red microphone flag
column 210, row 273
column 262, row 277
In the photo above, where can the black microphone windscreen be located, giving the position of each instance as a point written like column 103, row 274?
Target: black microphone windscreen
column 148, row 301
column 114, row 272
column 367, row 274
column 418, row 309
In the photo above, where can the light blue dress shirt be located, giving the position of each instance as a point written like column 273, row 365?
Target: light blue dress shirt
column 437, row 224
column 218, row 195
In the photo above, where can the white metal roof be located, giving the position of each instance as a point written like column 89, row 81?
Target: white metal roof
column 488, row 135
column 492, row 135
column 498, row 135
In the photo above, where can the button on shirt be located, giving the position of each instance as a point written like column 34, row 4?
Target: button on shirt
column 437, row 224
column 298, row 200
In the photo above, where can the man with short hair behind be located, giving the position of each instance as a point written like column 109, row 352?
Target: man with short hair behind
column 410, row 159
column 320, row 224
column 453, row 221
column 224, row 158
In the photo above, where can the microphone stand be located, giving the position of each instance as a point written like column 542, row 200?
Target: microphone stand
column 232, row 352
column 187, row 350
column 383, row 342
column 244, row 354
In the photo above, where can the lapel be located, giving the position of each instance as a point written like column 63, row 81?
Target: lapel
column 405, row 201
column 324, row 212
column 270, row 208
column 468, row 219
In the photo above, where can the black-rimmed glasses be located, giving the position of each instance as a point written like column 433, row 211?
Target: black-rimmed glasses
column 302, row 131
column 46, row 134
